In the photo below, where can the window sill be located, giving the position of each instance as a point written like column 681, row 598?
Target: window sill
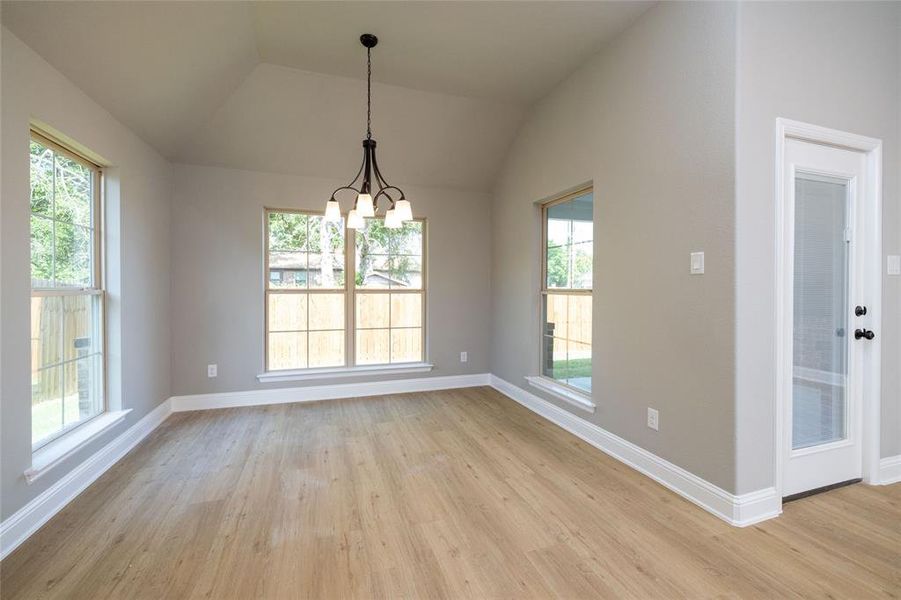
column 562, row 392
column 44, row 459
column 307, row 374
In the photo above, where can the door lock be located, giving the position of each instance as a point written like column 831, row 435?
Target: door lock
column 863, row 333
column 860, row 310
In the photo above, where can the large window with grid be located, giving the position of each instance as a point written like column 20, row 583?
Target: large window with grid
column 341, row 298
column 67, row 350
column 568, row 236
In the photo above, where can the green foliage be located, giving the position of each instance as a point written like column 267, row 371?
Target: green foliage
column 558, row 267
column 61, row 206
column 376, row 240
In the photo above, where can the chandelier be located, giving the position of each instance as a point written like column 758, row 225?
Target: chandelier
column 367, row 197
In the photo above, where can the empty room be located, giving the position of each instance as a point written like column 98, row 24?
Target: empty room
column 450, row 299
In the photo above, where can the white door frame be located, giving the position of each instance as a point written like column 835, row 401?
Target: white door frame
column 871, row 245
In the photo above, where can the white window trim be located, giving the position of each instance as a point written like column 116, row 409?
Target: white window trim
column 562, row 392
column 357, row 371
column 54, row 453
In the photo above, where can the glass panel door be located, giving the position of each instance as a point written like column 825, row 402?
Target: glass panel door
column 821, row 282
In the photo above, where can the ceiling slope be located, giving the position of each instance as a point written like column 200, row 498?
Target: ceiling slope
column 278, row 86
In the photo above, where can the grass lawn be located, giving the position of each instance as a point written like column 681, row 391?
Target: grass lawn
column 579, row 367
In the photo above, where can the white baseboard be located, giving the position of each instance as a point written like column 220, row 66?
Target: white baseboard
column 739, row 510
column 890, row 470
column 28, row 519
column 325, row 392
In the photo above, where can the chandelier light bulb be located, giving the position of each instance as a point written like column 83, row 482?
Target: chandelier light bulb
column 392, row 219
column 332, row 211
column 355, row 220
column 364, row 205
column 404, row 210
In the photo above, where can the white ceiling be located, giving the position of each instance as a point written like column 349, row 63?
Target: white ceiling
column 199, row 81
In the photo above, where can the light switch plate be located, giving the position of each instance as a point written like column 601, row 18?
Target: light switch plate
column 464, row 357
column 697, row 263
column 893, row 264
column 212, row 370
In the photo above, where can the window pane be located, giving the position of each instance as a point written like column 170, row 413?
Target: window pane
column 287, row 312
column 406, row 345
column 287, row 269
column 406, row 272
column 46, row 331
column 326, row 259
column 407, row 240
column 326, row 311
column 73, row 255
column 557, row 231
column 578, row 366
column 372, row 346
column 373, row 239
column 41, row 252
column 558, row 267
column 83, row 389
column 73, row 189
column 373, row 270
column 46, row 402
column 287, row 350
column 41, row 179
column 80, row 322
column 287, row 231
column 582, row 265
column 326, row 348
column 578, row 319
column 406, row 310
column 372, row 310
column 554, row 357
column 555, row 322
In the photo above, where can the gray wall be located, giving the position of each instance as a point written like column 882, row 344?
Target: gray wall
column 139, row 192
column 834, row 65
column 650, row 121
column 217, row 275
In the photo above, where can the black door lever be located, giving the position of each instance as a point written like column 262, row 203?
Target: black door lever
column 863, row 333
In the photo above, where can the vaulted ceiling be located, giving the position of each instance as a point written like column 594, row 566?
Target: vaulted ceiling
column 277, row 86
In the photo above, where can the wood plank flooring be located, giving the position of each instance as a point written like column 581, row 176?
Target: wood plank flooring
column 459, row 493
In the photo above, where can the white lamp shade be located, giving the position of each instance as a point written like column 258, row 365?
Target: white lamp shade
column 355, row 220
column 404, row 210
column 332, row 211
column 392, row 220
column 364, row 205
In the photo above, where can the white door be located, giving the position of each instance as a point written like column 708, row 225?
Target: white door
column 825, row 221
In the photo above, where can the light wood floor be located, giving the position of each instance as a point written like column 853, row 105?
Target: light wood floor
column 448, row 494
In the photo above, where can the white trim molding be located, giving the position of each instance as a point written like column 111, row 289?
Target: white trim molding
column 890, row 470
column 739, row 510
column 562, row 392
column 28, row 519
column 358, row 371
column 314, row 393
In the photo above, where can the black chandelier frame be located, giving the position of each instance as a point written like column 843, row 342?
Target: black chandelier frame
column 370, row 166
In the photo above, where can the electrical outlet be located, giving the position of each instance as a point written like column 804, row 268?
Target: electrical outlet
column 464, row 357
column 212, row 370
column 653, row 419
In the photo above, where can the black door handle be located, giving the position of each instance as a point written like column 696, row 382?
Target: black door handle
column 863, row 333
column 860, row 310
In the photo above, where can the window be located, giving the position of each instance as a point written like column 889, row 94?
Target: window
column 334, row 303
column 67, row 364
column 389, row 288
column 567, row 234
